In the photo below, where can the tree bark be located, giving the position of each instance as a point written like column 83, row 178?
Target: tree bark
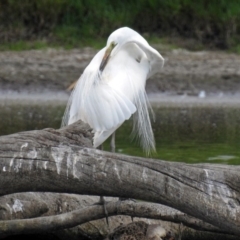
column 63, row 161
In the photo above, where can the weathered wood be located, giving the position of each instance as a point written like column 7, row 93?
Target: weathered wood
column 77, row 217
column 33, row 212
column 51, row 160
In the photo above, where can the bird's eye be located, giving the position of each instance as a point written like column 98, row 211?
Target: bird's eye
column 113, row 44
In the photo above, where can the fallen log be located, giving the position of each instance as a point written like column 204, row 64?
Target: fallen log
column 63, row 161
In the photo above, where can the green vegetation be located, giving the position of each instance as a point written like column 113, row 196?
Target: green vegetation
column 76, row 23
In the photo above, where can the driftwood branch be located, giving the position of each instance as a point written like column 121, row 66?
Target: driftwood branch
column 63, row 161
column 38, row 206
column 77, row 217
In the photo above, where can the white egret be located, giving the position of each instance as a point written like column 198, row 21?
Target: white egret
column 112, row 88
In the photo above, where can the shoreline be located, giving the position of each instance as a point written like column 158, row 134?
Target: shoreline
column 203, row 78
column 184, row 72
column 167, row 99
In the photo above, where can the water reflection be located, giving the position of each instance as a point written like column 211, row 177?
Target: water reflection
column 188, row 134
column 31, row 116
column 191, row 134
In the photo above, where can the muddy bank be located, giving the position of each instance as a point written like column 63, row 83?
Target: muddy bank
column 184, row 72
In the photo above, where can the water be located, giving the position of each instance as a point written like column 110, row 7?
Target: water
column 191, row 133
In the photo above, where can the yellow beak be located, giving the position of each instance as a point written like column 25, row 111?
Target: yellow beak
column 106, row 57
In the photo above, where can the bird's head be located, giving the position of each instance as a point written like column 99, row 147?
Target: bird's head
column 115, row 41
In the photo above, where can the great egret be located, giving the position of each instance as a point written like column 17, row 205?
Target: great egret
column 112, row 88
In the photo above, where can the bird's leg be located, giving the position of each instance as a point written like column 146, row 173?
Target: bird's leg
column 112, row 144
column 100, row 147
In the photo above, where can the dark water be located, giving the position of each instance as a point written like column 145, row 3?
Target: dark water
column 189, row 134
column 192, row 135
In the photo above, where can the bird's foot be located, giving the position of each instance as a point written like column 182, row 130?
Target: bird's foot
column 103, row 202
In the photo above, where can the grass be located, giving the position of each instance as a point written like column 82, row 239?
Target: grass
column 164, row 43
column 24, row 45
column 66, row 37
column 235, row 48
column 71, row 43
column 69, row 39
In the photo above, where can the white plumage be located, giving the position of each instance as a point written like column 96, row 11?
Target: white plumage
column 112, row 88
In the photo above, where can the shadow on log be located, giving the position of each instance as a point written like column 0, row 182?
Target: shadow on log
column 63, row 161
